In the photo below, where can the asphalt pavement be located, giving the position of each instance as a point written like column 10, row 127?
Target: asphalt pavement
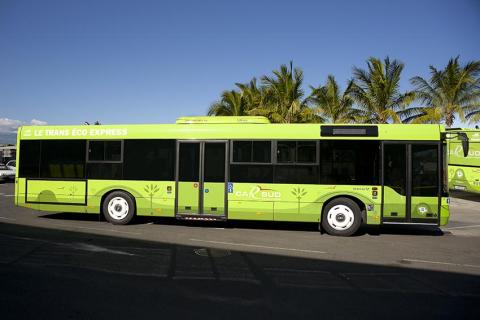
column 61, row 265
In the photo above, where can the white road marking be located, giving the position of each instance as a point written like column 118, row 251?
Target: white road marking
column 5, row 218
column 93, row 248
column 8, row 195
column 98, row 229
column 464, row 227
column 257, row 246
column 442, row 263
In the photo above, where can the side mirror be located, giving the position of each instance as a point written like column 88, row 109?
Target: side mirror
column 465, row 144
column 460, row 135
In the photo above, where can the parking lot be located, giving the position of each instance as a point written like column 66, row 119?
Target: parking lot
column 60, row 265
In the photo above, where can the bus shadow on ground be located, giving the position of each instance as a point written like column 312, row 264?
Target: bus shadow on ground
column 256, row 225
column 61, row 274
column 465, row 195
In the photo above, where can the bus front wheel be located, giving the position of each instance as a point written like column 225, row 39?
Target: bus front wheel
column 118, row 208
column 341, row 217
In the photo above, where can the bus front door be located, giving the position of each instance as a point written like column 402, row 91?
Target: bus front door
column 201, row 179
column 411, row 182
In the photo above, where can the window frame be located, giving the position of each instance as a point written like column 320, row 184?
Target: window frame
column 272, row 152
column 296, row 163
column 104, row 161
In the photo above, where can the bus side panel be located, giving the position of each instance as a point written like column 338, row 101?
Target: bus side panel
column 464, row 172
column 444, row 212
column 250, row 210
column 188, row 197
column 56, row 191
column 152, row 198
column 464, row 178
column 394, row 204
column 297, row 211
column 424, row 207
column 291, row 202
column 214, row 198
column 43, row 195
column 21, row 182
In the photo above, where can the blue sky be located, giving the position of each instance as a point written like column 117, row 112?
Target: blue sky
column 66, row 61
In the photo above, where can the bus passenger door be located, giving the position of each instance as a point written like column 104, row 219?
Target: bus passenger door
column 394, row 193
column 411, row 182
column 201, row 179
column 214, row 178
column 426, row 183
column 188, row 178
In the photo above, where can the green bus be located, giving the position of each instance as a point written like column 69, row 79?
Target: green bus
column 239, row 168
column 464, row 172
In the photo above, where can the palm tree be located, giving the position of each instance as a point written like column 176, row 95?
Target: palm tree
column 231, row 103
column 448, row 93
column 254, row 95
column 331, row 104
column 376, row 92
column 283, row 100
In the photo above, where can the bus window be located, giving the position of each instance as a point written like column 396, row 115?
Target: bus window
column 395, row 167
column 62, row 159
column 30, row 159
column 349, row 162
column 424, row 170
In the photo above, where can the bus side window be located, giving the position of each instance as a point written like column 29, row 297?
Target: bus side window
column 29, row 159
column 395, row 167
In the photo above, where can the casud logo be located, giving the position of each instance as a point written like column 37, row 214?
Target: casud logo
column 458, row 152
column 258, row 192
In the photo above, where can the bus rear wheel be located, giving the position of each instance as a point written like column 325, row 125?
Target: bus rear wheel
column 341, row 217
column 118, row 208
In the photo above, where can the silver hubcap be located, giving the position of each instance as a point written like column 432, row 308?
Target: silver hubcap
column 340, row 217
column 118, row 208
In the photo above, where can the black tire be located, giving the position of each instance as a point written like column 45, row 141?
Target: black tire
column 118, row 208
column 345, row 217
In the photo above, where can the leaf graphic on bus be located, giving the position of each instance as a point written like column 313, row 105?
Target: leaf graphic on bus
column 73, row 190
column 151, row 190
column 299, row 193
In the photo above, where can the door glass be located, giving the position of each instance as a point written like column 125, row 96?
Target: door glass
column 188, row 178
column 395, row 177
column 425, row 170
column 214, row 178
column 189, row 162
column 214, row 170
column 395, row 167
column 425, row 183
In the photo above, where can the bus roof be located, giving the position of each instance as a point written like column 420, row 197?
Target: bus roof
column 222, row 119
column 191, row 130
